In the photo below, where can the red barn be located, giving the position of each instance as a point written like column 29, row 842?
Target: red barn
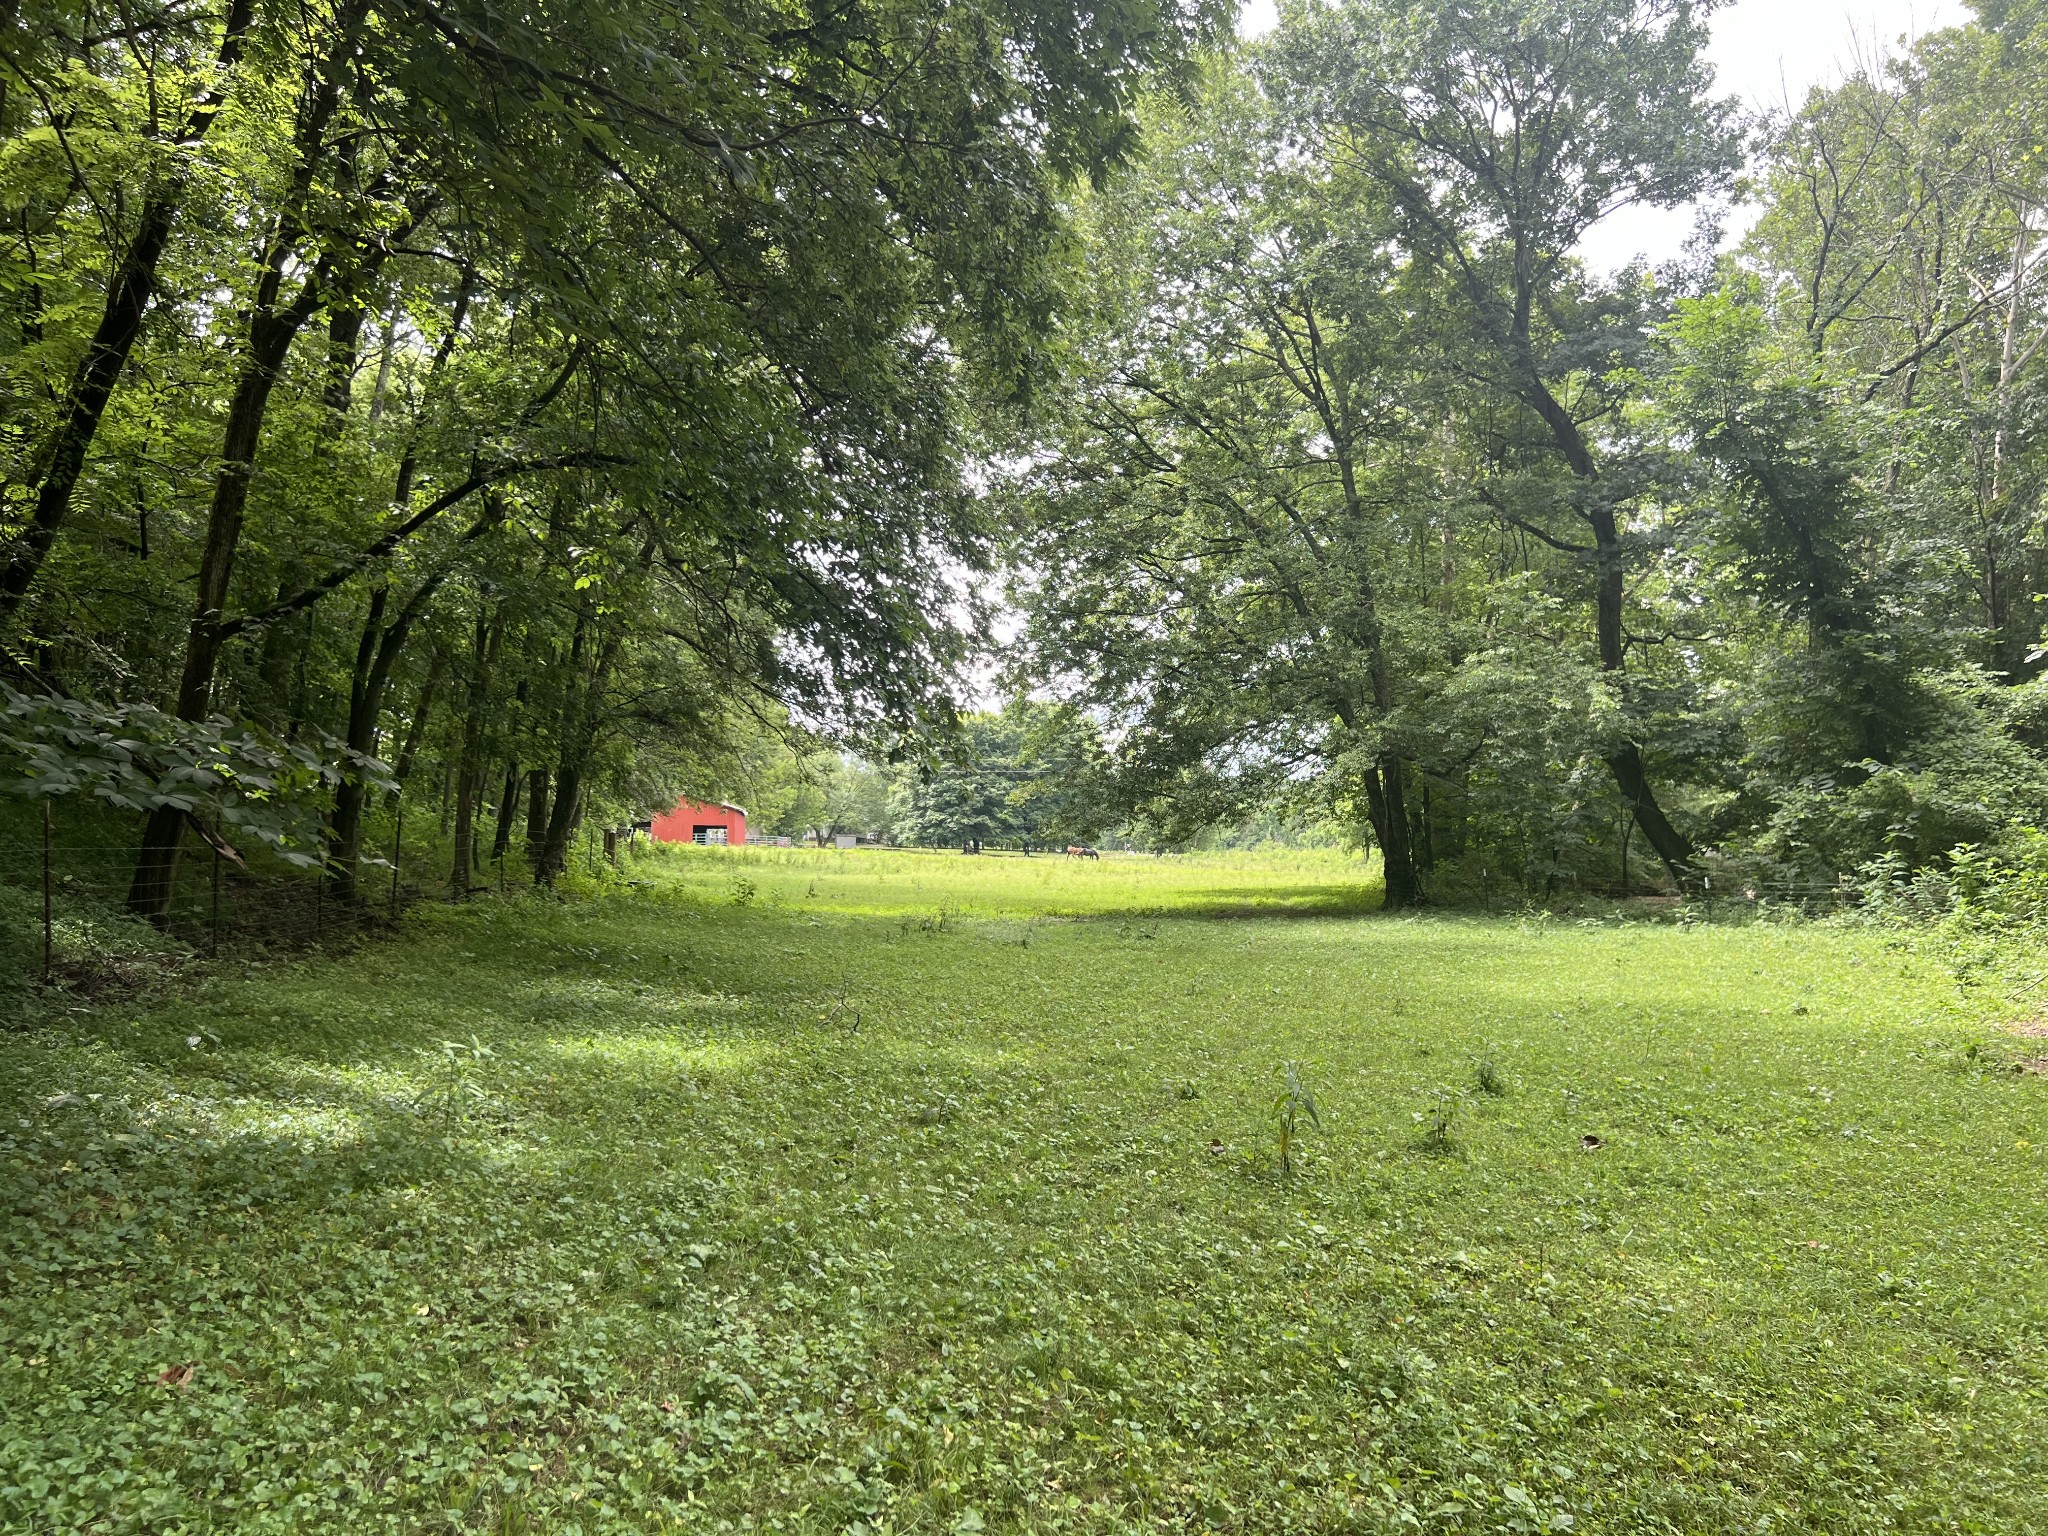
column 695, row 821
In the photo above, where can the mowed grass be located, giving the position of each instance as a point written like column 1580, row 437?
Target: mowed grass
column 878, row 1192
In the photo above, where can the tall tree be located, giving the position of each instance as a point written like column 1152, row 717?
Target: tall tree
column 1504, row 130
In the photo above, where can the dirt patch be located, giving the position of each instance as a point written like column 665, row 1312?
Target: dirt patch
column 2028, row 1029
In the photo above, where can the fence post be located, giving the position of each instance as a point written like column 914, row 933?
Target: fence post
column 397, row 851
column 47, row 856
column 216, row 893
column 319, row 899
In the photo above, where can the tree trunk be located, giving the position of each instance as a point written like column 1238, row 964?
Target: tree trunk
column 345, row 822
column 469, row 774
column 408, row 754
column 1386, row 793
column 272, row 328
column 1664, row 839
column 536, row 814
column 1610, row 602
column 554, row 850
column 579, row 738
column 376, row 658
column 508, row 807
column 271, row 331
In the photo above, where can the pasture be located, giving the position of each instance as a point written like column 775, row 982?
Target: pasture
column 865, row 1192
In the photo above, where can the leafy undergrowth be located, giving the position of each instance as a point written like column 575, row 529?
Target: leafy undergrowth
column 809, row 1197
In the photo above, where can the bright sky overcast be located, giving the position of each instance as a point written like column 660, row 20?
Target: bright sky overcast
column 1764, row 51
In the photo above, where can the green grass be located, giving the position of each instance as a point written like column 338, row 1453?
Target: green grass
column 825, row 1193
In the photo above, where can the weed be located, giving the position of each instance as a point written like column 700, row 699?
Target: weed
column 1488, row 1078
column 1294, row 1101
column 451, row 1091
column 1437, row 1119
column 743, row 891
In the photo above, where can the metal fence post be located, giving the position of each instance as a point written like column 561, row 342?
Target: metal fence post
column 47, row 857
column 397, row 850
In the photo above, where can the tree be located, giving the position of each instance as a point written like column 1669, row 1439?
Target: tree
column 1214, row 533
column 415, row 279
column 1503, row 130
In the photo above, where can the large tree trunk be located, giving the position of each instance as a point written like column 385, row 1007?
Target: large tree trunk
column 508, row 807
column 579, row 739
column 1386, row 790
column 57, row 468
column 376, row 658
column 1610, row 603
column 1665, row 840
column 537, row 782
column 271, row 331
column 554, row 848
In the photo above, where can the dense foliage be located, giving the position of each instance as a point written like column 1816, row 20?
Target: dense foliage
column 1368, row 493
column 541, row 399
column 573, row 409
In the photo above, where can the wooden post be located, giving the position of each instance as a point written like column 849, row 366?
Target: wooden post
column 48, row 946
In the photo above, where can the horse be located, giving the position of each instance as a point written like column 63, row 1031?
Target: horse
column 1081, row 851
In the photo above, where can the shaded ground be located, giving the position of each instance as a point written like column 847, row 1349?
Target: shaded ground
column 837, row 1192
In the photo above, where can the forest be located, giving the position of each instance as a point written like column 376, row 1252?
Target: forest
column 1447, row 909
column 539, row 423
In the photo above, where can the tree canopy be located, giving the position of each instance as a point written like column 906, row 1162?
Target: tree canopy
column 585, row 406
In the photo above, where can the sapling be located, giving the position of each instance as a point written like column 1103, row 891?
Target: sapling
column 1436, row 1120
column 1293, row 1102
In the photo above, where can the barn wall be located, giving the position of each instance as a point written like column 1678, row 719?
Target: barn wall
column 680, row 824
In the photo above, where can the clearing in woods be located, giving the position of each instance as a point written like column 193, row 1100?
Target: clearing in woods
column 830, row 1192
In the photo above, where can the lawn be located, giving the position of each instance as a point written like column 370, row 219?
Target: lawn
column 886, row 1192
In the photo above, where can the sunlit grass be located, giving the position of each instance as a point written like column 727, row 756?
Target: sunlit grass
column 919, row 1192
column 897, row 882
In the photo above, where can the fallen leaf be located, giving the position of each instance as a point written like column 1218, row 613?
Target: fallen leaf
column 1591, row 1143
column 178, row 1375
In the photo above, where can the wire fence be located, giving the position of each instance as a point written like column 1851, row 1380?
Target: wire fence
column 67, row 876
column 84, row 935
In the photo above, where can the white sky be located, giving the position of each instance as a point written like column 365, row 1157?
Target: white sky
column 1765, row 51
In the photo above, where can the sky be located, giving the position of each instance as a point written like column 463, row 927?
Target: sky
column 1765, row 51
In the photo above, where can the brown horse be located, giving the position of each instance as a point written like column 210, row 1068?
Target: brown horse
column 1080, row 851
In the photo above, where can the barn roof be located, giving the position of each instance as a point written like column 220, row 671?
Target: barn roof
column 723, row 805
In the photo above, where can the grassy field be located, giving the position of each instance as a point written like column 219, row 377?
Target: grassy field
column 883, row 1192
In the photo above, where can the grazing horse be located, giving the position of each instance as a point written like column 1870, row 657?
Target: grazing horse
column 1079, row 851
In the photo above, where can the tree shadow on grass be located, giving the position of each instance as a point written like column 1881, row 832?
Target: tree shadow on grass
column 1255, row 901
